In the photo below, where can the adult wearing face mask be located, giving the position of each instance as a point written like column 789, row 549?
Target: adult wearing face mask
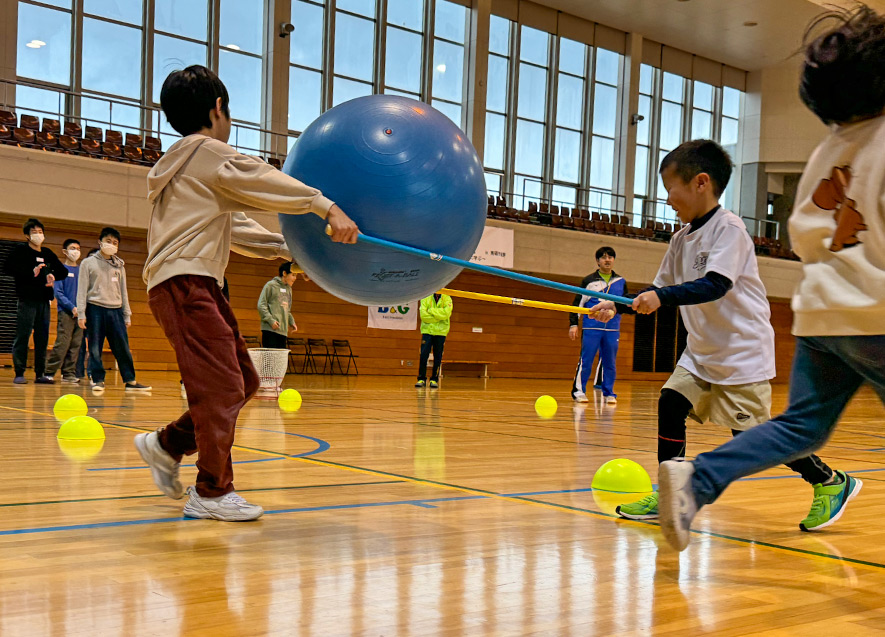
column 69, row 336
column 35, row 270
column 103, row 311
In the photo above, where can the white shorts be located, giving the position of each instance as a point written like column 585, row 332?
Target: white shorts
column 734, row 406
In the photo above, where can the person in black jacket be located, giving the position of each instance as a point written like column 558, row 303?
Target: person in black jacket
column 35, row 270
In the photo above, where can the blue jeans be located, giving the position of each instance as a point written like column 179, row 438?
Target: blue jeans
column 827, row 371
column 105, row 322
column 606, row 343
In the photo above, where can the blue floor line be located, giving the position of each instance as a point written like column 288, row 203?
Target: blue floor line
column 322, row 446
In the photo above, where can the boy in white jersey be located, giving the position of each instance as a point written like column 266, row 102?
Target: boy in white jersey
column 710, row 273
column 838, row 229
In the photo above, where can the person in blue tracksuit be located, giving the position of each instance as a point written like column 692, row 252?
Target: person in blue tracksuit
column 596, row 336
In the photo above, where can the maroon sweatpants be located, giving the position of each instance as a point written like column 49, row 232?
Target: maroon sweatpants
column 217, row 372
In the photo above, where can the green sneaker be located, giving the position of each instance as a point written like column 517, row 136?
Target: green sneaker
column 644, row 509
column 434, row 384
column 420, row 383
column 829, row 502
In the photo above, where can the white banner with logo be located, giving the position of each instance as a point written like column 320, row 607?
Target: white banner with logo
column 495, row 248
column 394, row 317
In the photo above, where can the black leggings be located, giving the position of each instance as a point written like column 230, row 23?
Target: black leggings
column 673, row 409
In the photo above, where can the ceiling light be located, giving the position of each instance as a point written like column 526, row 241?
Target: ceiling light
column 232, row 47
column 441, row 68
column 35, row 44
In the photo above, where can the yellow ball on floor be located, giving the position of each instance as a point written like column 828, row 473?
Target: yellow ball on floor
column 68, row 406
column 289, row 400
column 546, row 407
column 80, row 450
column 622, row 476
column 81, row 428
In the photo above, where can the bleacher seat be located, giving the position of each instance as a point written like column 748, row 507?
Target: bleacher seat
column 92, row 147
column 111, row 150
column 30, row 122
column 73, row 129
column 94, row 133
column 132, row 153
column 8, row 119
column 113, row 136
column 24, row 137
column 51, row 126
column 69, row 144
column 47, row 140
column 5, row 134
column 134, row 140
column 153, row 143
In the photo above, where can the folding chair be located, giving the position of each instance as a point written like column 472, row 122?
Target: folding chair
column 342, row 348
column 298, row 347
column 318, row 348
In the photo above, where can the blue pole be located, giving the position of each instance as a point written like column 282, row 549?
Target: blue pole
column 516, row 276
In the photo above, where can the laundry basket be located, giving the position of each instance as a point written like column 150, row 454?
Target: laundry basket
column 271, row 366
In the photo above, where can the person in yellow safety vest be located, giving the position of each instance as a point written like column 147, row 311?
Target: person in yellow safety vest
column 436, row 312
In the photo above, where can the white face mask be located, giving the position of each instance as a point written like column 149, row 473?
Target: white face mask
column 73, row 255
column 108, row 249
column 37, row 239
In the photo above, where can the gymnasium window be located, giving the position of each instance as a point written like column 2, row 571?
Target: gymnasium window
column 404, row 49
column 354, row 60
column 641, row 190
column 658, row 340
column 571, row 88
column 531, row 114
column 732, row 100
column 241, row 45
column 497, row 103
column 607, row 74
column 306, row 63
column 449, row 57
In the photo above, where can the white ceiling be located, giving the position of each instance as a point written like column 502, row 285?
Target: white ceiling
column 712, row 28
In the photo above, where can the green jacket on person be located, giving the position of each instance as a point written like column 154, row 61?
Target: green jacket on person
column 435, row 315
column 275, row 304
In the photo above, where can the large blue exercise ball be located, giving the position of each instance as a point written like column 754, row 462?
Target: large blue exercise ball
column 403, row 172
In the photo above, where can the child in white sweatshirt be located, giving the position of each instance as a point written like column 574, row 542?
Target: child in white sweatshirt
column 838, row 229
column 200, row 190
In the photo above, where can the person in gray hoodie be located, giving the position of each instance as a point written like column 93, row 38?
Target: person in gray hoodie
column 103, row 311
column 200, row 190
column 275, row 308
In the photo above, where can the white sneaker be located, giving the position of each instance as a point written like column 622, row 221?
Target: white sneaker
column 97, row 388
column 227, row 508
column 611, row 400
column 677, row 505
column 164, row 469
column 581, row 397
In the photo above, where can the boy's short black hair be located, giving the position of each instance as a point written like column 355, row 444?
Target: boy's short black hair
column 606, row 251
column 30, row 224
column 286, row 268
column 68, row 242
column 109, row 232
column 843, row 76
column 188, row 95
column 701, row 156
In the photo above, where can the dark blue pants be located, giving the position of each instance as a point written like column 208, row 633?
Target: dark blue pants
column 827, row 371
column 606, row 343
column 428, row 343
column 31, row 316
column 101, row 323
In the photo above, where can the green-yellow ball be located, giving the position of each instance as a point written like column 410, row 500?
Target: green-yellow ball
column 546, row 407
column 289, row 400
column 68, row 406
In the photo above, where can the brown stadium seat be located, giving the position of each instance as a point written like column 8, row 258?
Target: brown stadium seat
column 113, row 136
column 73, row 129
column 30, row 122
column 95, row 133
column 111, row 150
column 92, row 147
column 47, row 141
column 150, row 155
column 276, row 163
column 24, row 137
column 5, row 134
column 134, row 140
column 69, row 144
column 8, row 119
column 132, row 153
column 51, row 126
column 153, row 143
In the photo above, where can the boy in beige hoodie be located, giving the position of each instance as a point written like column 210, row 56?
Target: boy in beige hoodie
column 201, row 190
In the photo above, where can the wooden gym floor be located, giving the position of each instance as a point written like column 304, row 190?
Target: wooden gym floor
column 396, row 511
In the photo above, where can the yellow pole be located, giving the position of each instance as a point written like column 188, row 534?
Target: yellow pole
column 492, row 298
